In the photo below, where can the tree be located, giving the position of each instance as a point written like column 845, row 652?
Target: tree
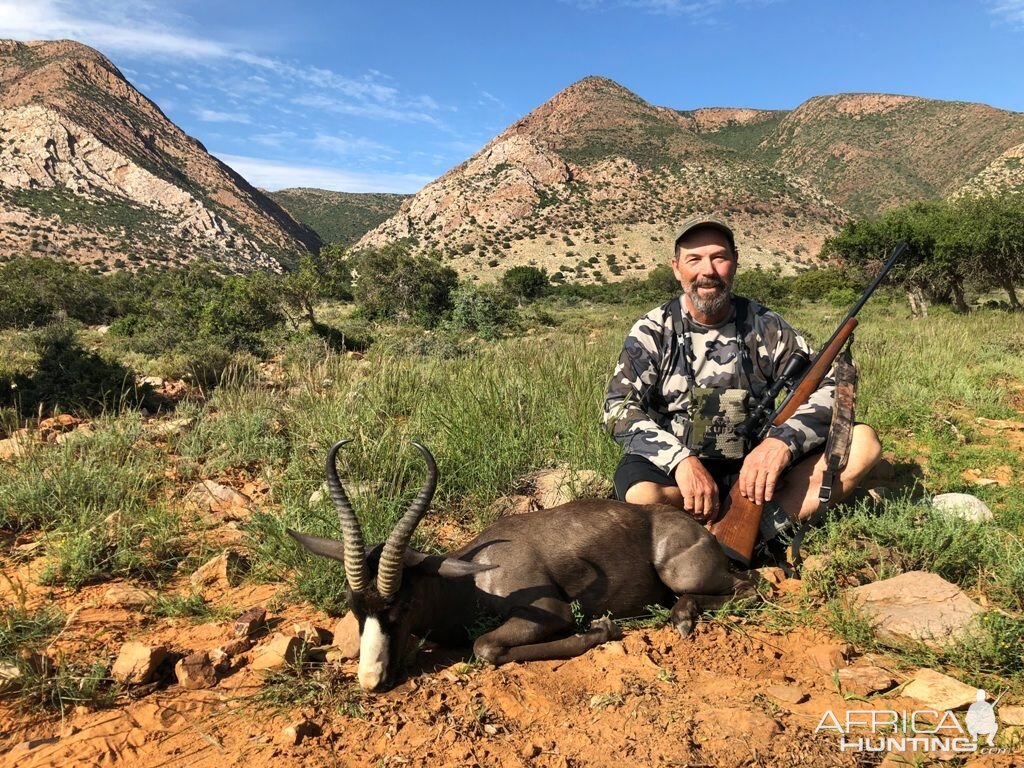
column 391, row 283
column 525, row 283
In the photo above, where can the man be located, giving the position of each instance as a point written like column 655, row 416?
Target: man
column 687, row 372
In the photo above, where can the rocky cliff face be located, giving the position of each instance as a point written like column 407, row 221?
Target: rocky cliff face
column 92, row 171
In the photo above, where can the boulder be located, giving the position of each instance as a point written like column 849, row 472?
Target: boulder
column 223, row 571
column 963, row 505
column 12, row 448
column 136, row 663
column 346, row 636
column 915, row 606
column 279, row 652
column 938, row 691
column 865, row 680
column 196, row 671
column 250, row 622
column 1011, row 715
column 126, row 596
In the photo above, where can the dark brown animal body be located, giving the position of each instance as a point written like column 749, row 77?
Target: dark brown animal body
column 531, row 575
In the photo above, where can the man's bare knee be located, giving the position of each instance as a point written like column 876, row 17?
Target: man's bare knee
column 648, row 493
column 866, row 446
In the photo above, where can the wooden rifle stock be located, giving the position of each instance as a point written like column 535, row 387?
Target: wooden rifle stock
column 740, row 519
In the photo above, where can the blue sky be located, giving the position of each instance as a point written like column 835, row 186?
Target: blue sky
column 384, row 96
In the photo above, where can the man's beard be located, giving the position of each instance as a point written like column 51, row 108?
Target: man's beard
column 711, row 305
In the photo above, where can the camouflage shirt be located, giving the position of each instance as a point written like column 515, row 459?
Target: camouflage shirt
column 647, row 407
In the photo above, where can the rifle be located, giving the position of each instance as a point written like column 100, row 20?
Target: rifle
column 739, row 521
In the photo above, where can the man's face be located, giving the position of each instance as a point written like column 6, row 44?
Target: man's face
column 705, row 267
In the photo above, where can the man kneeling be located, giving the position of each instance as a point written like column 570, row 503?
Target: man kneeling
column 687, row 371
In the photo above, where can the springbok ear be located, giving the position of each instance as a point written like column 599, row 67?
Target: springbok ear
column 445, row 567
column 320, row 546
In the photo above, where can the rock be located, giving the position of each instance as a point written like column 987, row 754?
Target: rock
column 1011, row 715
column 318, row 496
column 788, row 694
column 154, row 381
column 813, row 564
column 829, row 657
column 12, row 448
column 964, row 506
column 1001, row 424
column 863, row 681
column 168, row 428
column 938, row 691
column 346, row 636
column 560, row 486
column 137, row 662
column 250, row 622
column 310, row 634
column 126, row 596
column 222, row 655
column 279, row 652
column 514, row 505
column 223, row 571
column 219, row 499
column 295, row 733
column 915, row 606
column 773, row 575
column 196, row 671
column 10, row 677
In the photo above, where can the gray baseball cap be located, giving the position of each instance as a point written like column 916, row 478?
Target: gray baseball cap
column 705, row 220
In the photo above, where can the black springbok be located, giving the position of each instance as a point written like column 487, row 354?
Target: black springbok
column 533, row 573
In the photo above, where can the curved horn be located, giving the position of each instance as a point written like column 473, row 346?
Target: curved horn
column 389, row 573
column 355, row 549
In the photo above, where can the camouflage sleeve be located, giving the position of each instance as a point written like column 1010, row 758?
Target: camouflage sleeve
column 808, row 428
column 628, row 397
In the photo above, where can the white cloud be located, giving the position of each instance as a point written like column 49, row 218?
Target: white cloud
column 272, row 175
column 213, row 116
column 1010, row 10
column 349, row 145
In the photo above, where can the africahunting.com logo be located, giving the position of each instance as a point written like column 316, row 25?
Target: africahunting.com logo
column 919, row 730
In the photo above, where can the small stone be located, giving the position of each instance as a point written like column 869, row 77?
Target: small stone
column 963, row 505
column 773, row 575
column 126, row 596
column 279, row 652
column 865, row 680
column 137, row 662
column 10, row 677
column 196, row 671
column 153, row 381
column 1011, row 715
column 250, row 622
column 346, row 636
column 829, row 657
column 490, row 730
column 938, row 691
column 295, row 733
column 310, row 634
column 317, row 496
column 169, row 428
column 219, row 499
column 788, row 694
column 916, row 606
column 223, row 571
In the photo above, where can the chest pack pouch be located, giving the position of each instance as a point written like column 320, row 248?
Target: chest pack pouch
column 715, row 412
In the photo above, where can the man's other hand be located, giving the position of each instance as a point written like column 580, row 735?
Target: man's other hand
column 700, row 492
column 762, row 468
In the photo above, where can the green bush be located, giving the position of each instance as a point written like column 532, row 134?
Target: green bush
column 525, row 282
column 766, row 287
column 484, row 310
column 35, row 290
column 392, row 284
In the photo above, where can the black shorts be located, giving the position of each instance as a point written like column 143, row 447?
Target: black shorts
column 635, row 469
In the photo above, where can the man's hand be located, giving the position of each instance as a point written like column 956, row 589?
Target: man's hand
column 700, row 492
column 761, row 469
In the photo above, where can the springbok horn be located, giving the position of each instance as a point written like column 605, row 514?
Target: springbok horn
column 355, row 549
column 389, row 572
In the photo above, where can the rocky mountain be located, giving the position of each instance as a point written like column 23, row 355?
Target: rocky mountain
column 338, row 217
column 591, row 184
column 92, row 171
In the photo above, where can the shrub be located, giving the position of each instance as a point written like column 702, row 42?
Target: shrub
column 766, row 287
column 483, row 310
column 390, row 283
column 525, row 282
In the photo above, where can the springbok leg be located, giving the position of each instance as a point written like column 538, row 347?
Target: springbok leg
column 524, row 635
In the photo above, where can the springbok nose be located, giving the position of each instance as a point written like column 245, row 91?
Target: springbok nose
column 373, row 655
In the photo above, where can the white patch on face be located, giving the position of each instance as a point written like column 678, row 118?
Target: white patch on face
column 373, row 654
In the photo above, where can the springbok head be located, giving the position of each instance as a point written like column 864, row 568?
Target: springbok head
column 382, row 584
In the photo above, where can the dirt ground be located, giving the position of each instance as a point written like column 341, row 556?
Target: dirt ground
column 731, row 695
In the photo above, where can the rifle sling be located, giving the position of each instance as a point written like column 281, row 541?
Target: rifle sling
column 837, row 447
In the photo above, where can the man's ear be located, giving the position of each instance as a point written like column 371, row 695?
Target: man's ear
column 438, row 565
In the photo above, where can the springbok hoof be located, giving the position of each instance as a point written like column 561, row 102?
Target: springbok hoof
column 608, row 628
